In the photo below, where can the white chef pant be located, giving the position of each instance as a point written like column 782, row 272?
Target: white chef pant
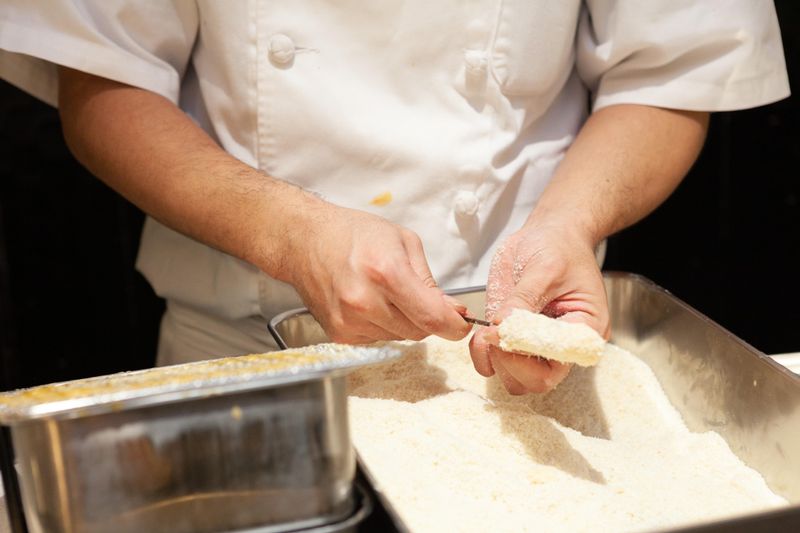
column 188, row 334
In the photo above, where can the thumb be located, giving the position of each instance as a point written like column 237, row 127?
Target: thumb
column 427, row 305
column 500, row 282
column 593, row 321
column 416, row 256
column 532, row 292
column 419, row 264
column 479, row 350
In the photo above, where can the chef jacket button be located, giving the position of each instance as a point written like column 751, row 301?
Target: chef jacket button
column 466, row 203
column 281, row 49
column 475, row 63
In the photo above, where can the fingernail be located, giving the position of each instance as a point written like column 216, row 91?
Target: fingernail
column 490, row 336
column 457, row 305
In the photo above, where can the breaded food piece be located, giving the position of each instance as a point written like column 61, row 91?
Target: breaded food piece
column 537, row 334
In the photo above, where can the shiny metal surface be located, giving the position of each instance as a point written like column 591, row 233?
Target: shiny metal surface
column 363, row 508
column 350, row 524
column 275, row 457
column 715, row 380
column 177, row 383
column 477, row 321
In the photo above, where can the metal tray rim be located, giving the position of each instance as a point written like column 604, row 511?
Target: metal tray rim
column 146, row 397
column 762, row 357
column 130, row 399
column 738, row 521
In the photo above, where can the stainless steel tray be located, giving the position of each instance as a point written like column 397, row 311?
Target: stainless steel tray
column 254, row 441
column 715, row 380
column 202, row 379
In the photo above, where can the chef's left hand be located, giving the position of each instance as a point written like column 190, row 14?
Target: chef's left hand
column 550, row 269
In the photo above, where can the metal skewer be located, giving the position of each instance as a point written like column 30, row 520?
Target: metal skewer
column 477, row 321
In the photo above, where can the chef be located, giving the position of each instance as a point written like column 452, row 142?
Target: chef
column 360, row 157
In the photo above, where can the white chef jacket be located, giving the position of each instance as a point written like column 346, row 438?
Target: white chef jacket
column 447, row 117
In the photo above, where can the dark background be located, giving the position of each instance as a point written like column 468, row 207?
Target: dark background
column 72, row 305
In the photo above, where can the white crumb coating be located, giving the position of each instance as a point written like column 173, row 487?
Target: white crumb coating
column 606, row 451
column 536, row 334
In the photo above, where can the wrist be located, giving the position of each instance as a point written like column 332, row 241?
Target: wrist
column 572, row 223
column 286, row 217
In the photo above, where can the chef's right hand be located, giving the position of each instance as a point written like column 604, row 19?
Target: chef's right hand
column 365, row 279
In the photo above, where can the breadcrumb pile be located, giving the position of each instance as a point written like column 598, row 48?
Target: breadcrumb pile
column 605, row 451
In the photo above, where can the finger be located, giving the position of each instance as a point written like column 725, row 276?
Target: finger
column 413, row 292
column 427, row 309
column 533, row 292
column 510, row 382
column 479, row 352
column 598, row 323
column 416, row 257
column 361, row 339
column 459, row 306
column 362, row 310
column 583, row 311
column 389, row 318
column 532, row 373
column 349, row 328
column 363, row 335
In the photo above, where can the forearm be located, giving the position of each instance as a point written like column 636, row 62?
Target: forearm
column 625, row 161
column 362, row 277
column 149, row 151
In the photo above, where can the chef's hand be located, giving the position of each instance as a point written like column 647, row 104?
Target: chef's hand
column 366, row 279
column 547, row 269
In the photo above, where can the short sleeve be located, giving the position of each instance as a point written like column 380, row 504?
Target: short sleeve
column 715, row 55
column 145, row 43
